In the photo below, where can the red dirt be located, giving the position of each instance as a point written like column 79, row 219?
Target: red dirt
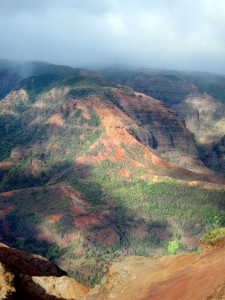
column 56, row 119
column 85, row 222
column 189, row 277
column 6, row 165
column 6, row 194
column 54, row 218
column 115, row 123
column 125, row 173
column 21, row 262
column 83, row 107
column 105, row 236
column 6, row 210
column 179, row 277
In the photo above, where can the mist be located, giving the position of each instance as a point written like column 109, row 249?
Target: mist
column 183, row 35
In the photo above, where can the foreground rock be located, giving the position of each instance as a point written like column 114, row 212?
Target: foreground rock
column 27, row 276
column 195, row 276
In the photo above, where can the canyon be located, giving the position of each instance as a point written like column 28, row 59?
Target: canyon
column 101, row 172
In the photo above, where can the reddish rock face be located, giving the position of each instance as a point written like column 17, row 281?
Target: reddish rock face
column 33, row 265
column 165, row 128
column 27, row 276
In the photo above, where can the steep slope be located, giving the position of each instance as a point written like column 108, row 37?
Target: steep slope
column 204, row 116
column 169, row 88
column 91, row 171
column 184, row 276
column 191, row 276
column 197, row 97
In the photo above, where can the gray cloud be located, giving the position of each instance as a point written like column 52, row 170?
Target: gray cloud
column 158, row 33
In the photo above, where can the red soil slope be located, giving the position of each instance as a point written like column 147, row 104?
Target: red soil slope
column 117, row 126
column 195, row 276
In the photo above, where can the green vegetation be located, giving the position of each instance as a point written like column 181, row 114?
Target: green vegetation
column 36, row 85
column 110, row 96
column 214, row 234
column 55, row 252
column 81, row 85
column 212, row 84
column 40, row 141
column 189, row 210
column 46, row 147
column 164, row 84
column 213, row 156
column 172, row 247
column 31, row 209
column 140, row 210
column 94, row 121
column 10, row 130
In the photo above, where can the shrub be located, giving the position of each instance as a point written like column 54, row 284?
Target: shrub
column 172, row 247
column 214, row 234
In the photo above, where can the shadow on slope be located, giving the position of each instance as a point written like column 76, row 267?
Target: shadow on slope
column 89, row 231
column 89, row 215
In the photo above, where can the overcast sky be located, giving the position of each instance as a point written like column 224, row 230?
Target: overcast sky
column 177, row 34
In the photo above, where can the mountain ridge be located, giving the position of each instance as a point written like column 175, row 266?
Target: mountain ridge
column 104, row 170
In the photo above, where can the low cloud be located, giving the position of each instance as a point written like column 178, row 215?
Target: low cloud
column 165, row 34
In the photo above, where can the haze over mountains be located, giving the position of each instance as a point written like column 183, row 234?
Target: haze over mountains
column 95, row 166
column 184, row 35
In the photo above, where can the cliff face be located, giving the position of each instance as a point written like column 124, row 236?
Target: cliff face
column 198, row 98
column 161, row 129
column 27, row 276
column 204, row 116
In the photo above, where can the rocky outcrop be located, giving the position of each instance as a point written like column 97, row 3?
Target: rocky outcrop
column 7, row 286
column 28, row 276
column 33, row 265
column 50, row 288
